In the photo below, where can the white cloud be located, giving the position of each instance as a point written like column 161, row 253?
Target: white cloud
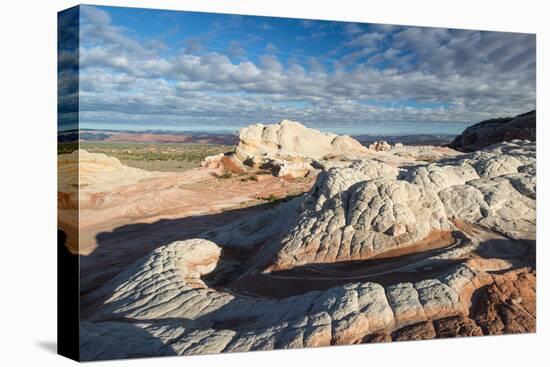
column 452, row 75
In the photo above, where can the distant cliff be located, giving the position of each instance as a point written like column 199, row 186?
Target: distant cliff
column 497, row 130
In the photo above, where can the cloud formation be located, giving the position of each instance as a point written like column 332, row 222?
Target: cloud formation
column 374, row 73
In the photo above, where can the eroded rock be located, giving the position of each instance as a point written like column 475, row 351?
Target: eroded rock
column 165, row 295
column 370, row 208
column 287, row 148
column 380, row 146
column 489, row 132
column 447, row 247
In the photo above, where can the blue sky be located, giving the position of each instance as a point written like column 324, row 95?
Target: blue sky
column 151, row 68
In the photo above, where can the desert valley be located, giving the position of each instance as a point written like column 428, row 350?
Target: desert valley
column 288, row 237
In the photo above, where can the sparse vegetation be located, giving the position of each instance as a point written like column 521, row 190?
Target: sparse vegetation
column 225, row 175
column 249, row 178
column 154, row 156
column 271, row 198
column 427, row 158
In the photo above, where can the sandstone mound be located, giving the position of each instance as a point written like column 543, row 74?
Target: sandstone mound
column 381, row 146
column 287, row 148
column 168, row 300
column 95, row 171
column 495, row 131
column 379, row 249
column 370, row 208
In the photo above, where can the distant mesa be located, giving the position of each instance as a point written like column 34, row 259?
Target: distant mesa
column 148, row 136
column 498, row 130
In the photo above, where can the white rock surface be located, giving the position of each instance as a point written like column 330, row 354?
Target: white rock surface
column 380, row 146
column 95, row 172
column 175, row 312
column 288, row 148
column 360, row 211
column 162, row 305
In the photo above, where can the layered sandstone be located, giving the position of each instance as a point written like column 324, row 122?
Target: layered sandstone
column 384, row 246
column 95, row 172
column 169, row 301
column 288, row 148
column 370, row 208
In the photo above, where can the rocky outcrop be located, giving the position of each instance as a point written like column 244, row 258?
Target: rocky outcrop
column 508, row 305
column 287, row 148
column 167, row 300
column 380, row 146
column 495, row 131
column 213, row 161
column 80, row 175
column 370, row 208
column 379, row 249
column 95, row 172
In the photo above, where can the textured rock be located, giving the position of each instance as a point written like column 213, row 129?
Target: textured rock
column 457, row 326
column 95, row 171
column 380, row 248
column 495, row 131
column 213, row 161
column 113, row 198
column 422, row 330
column 287, row 148
column 380, row 146
column 508, row 305
column 370, row 208
column 165, row 294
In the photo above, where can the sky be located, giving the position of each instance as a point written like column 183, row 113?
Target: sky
column 152, row 69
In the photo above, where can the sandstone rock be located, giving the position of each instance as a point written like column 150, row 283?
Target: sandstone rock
column 165, row 295
column 95, row 172
column 381, row 337
column 370, row 208
column 380, row 146
column 489, row 132
column 291, row 139
column 508, row 305
column 432, row 235
column 456, row 326
column 213, row 161
column 288, row 148
column 419, row 331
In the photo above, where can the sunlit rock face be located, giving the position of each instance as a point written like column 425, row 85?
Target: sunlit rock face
column 371, row 208
column 380, row 248
column 96, row 171
column 288, row 148
column 167, row 300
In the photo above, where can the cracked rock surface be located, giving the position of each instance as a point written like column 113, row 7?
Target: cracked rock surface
column 371, row 208
column 288, row 149
column 376, row 251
